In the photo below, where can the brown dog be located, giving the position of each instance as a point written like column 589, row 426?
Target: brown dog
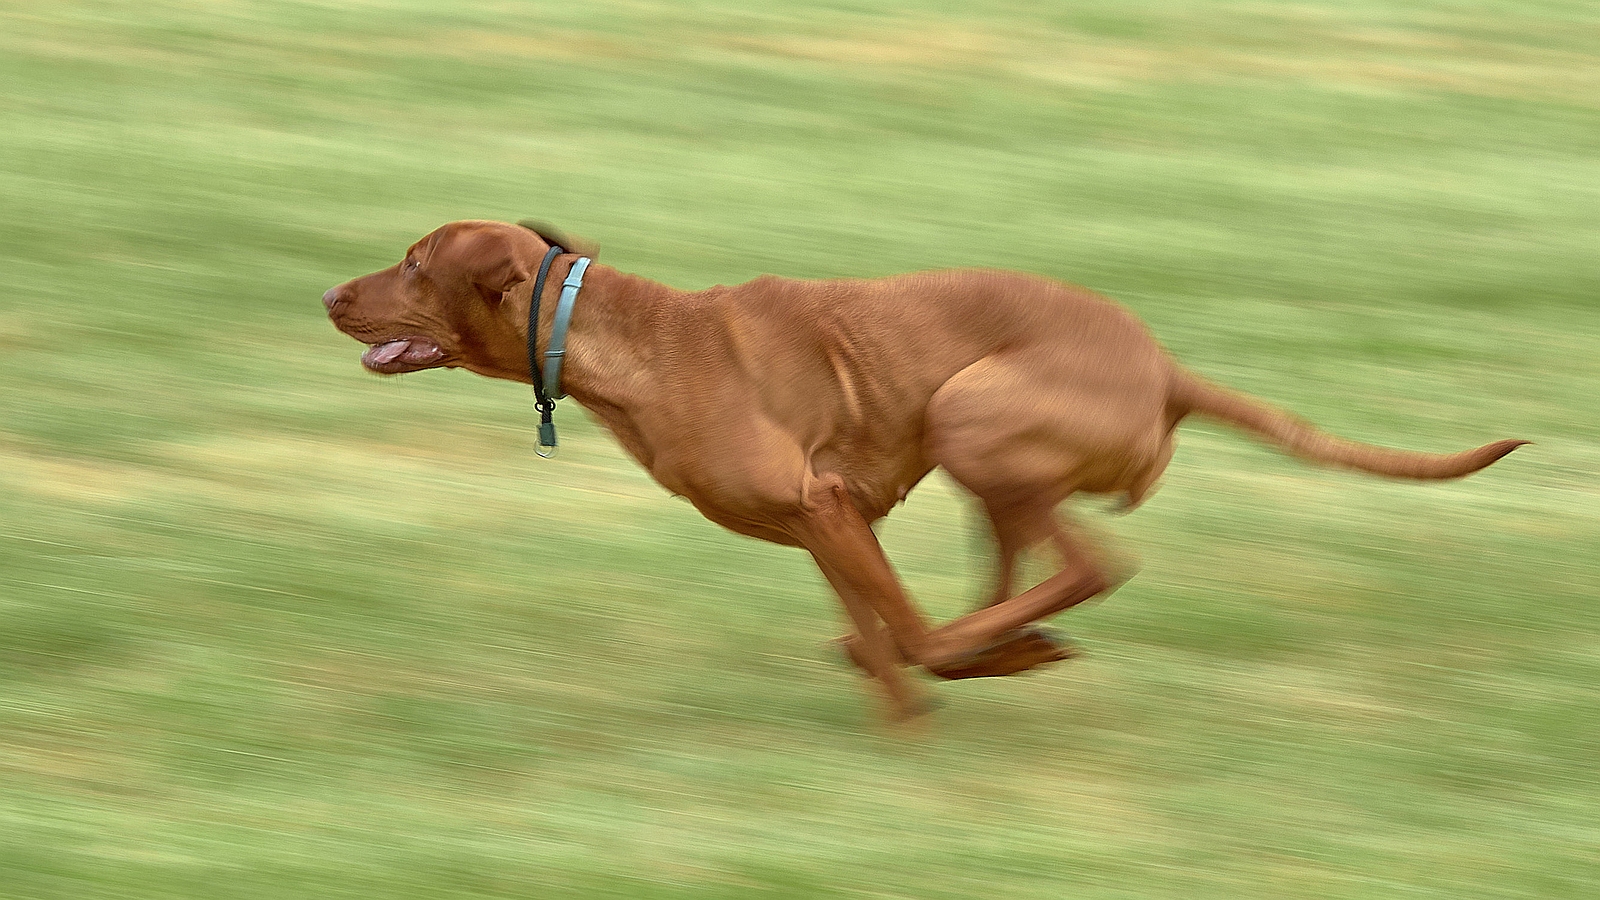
column 800, row 412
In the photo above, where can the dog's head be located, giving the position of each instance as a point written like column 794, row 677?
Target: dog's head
column 445, row 304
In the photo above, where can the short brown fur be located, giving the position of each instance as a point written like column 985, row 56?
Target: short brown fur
column 800, row 412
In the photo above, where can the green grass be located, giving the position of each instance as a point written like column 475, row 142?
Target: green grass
column 273, row 628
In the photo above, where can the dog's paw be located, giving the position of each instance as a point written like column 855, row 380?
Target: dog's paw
column 1016, row 651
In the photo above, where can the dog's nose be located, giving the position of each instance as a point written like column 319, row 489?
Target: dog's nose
column 334, row 298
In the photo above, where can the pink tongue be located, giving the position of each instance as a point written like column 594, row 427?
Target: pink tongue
column 388, row 352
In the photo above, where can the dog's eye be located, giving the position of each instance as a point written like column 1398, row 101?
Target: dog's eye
column 411, row 265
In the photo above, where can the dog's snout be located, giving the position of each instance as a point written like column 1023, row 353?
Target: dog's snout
column 335, row 298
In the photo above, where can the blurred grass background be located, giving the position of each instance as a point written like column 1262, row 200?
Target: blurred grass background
column 270, row 627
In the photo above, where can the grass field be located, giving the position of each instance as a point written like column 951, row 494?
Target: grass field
column 270, row 627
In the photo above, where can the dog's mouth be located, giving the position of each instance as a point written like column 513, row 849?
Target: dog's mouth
column 409, row 354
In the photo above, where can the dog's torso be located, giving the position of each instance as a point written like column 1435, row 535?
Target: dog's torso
column 762, row 385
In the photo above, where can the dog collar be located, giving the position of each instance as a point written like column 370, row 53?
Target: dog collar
column 547, row 384
column 558, row 329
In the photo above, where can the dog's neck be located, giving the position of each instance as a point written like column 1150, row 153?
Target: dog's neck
column 609, row 344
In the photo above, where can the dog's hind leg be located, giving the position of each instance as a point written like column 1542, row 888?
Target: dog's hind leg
column 1009, row 551
column 1117, row 566
column 1019, row 450
column 987, row 642
column 995, row 640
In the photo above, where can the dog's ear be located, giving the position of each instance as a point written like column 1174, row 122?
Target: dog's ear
column 552, row 235
column 494, row 262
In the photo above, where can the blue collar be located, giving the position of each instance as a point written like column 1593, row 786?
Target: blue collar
column 558, row 329
column 547, row 385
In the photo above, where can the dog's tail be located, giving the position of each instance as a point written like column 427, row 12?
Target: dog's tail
column 1193, row 394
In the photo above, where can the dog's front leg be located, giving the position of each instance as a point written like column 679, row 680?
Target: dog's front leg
column 848, row 553
column 874, row 651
